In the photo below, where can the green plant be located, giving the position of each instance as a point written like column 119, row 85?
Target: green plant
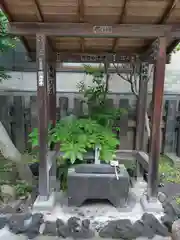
column 33, row 137
column 96, row 98
column 22, row 189
column 169, row 173
column 177, row 200
column 78, row 136
column 6, row 42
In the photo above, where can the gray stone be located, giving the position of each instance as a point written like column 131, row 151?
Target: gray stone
column 62, row 229
column 171, row 208
column 162, row 197
column 141, row 229
column 176, row 230
column 86, row 232
column 168, row 220
column 3, row 222
column 119, row 229
column 18, row 223
column 50, row 229
column 32, row 230
column 97, row 181
column 74, row 228
column 151, row 221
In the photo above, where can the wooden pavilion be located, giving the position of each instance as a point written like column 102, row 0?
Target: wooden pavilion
column 97, row 31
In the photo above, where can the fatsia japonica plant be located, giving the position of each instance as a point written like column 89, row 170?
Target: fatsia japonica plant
column 78, row 136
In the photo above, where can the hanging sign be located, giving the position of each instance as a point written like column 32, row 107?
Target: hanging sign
column 93, row 58
column 51, row 74
column 111, row 58
column 102, row 29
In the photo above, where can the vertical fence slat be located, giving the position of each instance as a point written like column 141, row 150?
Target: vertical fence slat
column 19, row 123
column 123, row 123
column 170, row 124
column 63, row 105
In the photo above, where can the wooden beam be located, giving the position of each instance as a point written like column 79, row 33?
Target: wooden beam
column 166, row 15
column 157, row 99
column 44, row 188
column 6, row 10
column 92, row 57
column 90, row 30
column 95, row 57
column 115, row 43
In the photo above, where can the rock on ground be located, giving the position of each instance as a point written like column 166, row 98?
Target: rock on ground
column 148, row 227
column 176, row 230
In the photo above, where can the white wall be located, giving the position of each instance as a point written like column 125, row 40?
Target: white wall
column 67, row 82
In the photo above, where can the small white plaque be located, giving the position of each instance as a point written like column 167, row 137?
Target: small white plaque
column 41, row 78
column 102, row 29
column 114, row 163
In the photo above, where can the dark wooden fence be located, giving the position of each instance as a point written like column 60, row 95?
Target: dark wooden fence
column 19, row 116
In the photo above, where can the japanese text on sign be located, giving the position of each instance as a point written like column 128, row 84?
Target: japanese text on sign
column 41, row 78
column 102, row 29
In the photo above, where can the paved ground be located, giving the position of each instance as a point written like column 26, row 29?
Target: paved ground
column 100, row 213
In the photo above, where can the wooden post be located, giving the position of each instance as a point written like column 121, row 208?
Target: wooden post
column 157, row 99
column 142, row 106
column 52, row 92
column 141, row 115
column 41, row 46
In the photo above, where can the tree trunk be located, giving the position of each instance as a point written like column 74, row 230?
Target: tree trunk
column 10, row 152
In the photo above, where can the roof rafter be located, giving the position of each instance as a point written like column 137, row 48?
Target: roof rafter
column 81, row 20
column 115, row 43
column 41, row 19
column 166, row 15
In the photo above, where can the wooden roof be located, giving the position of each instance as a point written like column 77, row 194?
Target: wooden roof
column 98, row 12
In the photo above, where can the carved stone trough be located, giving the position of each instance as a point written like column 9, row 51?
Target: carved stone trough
column 97, row 181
